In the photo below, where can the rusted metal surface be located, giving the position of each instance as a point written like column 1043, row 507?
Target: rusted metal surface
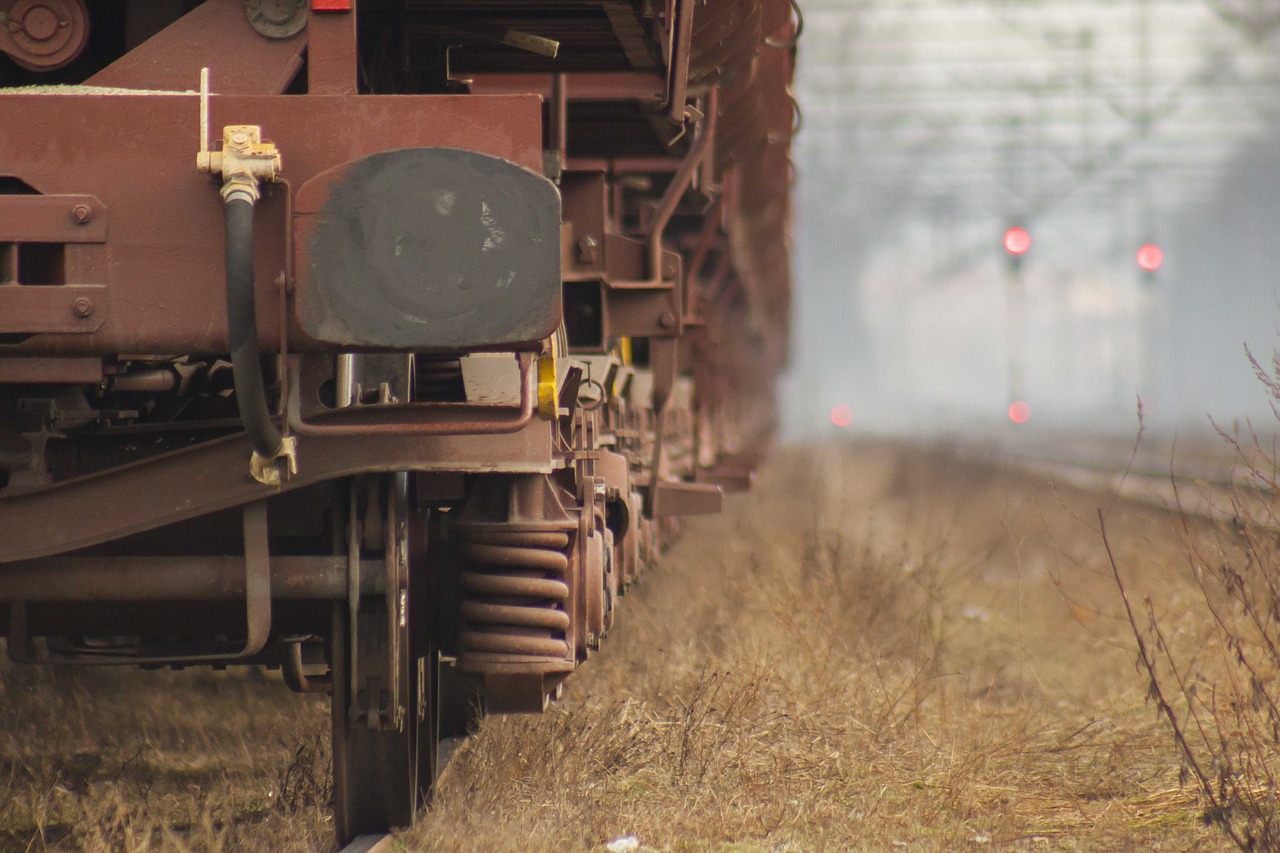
column 557, row 125
column 332, row 65
column 69, row 371
column 677, row 89
column 671, row 499
column 215, row 35
column 581, row 86
column 737, row 259
column 178, row 578
column 524, row 626
column 516, row 594
column 52, row 219
column 635, row 302
column 73, row 309
column 43, row 35
column 620, row 166
column 425, row 419
column 155, row 381
column 726, row 40
column 693, row 160
column 256, row 584
column 156, row 199
column 708, row 237
column 213, row 476
column 296, row 678
column 597, row 35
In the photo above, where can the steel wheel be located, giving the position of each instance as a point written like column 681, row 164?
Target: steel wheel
column 383, row 773
column 372, row 782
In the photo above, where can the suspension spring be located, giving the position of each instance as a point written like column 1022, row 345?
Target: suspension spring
column 515, row 594
column 439, row 379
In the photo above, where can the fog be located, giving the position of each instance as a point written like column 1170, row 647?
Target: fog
column 931, row 127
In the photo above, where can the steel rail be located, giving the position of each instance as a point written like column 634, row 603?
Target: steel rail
column 370, row 843
column 1215, row 495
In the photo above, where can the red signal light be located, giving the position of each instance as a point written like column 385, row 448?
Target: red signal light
column 1017, row 240
column 1150, row 258
column 841, row 415
column 1020, row 411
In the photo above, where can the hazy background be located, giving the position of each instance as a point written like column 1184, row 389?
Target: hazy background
column 930, row 127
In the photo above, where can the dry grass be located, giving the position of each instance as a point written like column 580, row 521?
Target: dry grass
column 879, row 649
column 1213, row 670
column 871, row 652
column 104, row 760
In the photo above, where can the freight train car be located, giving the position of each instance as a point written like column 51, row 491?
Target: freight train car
column 380, row 341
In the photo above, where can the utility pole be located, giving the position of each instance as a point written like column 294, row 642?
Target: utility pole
column 1149, row 255
column 1084, row 43
column 1017, row 240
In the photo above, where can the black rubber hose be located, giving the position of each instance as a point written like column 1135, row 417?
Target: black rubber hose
column 246, row 360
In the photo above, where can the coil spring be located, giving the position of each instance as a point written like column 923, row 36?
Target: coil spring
column 439, row 380
column 514, row 594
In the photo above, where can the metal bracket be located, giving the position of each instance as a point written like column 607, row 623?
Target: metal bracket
column 257, row 584
column 686, row 499
column 264, row 468
column 413, row 419
column 678, row 55
column 296, row 679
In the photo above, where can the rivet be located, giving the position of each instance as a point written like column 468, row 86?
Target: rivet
column 81, row 214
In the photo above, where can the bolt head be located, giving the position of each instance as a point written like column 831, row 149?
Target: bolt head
column 667, row 320
column 81, row 214
column 82, row 307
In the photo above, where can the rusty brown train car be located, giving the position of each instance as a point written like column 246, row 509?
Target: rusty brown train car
column 380, row 341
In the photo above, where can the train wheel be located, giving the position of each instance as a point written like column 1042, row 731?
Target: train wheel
column 385, row 750
column 370, row 767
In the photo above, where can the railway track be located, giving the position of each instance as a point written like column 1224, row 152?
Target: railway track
column 371, row 843
column 1204, row 477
